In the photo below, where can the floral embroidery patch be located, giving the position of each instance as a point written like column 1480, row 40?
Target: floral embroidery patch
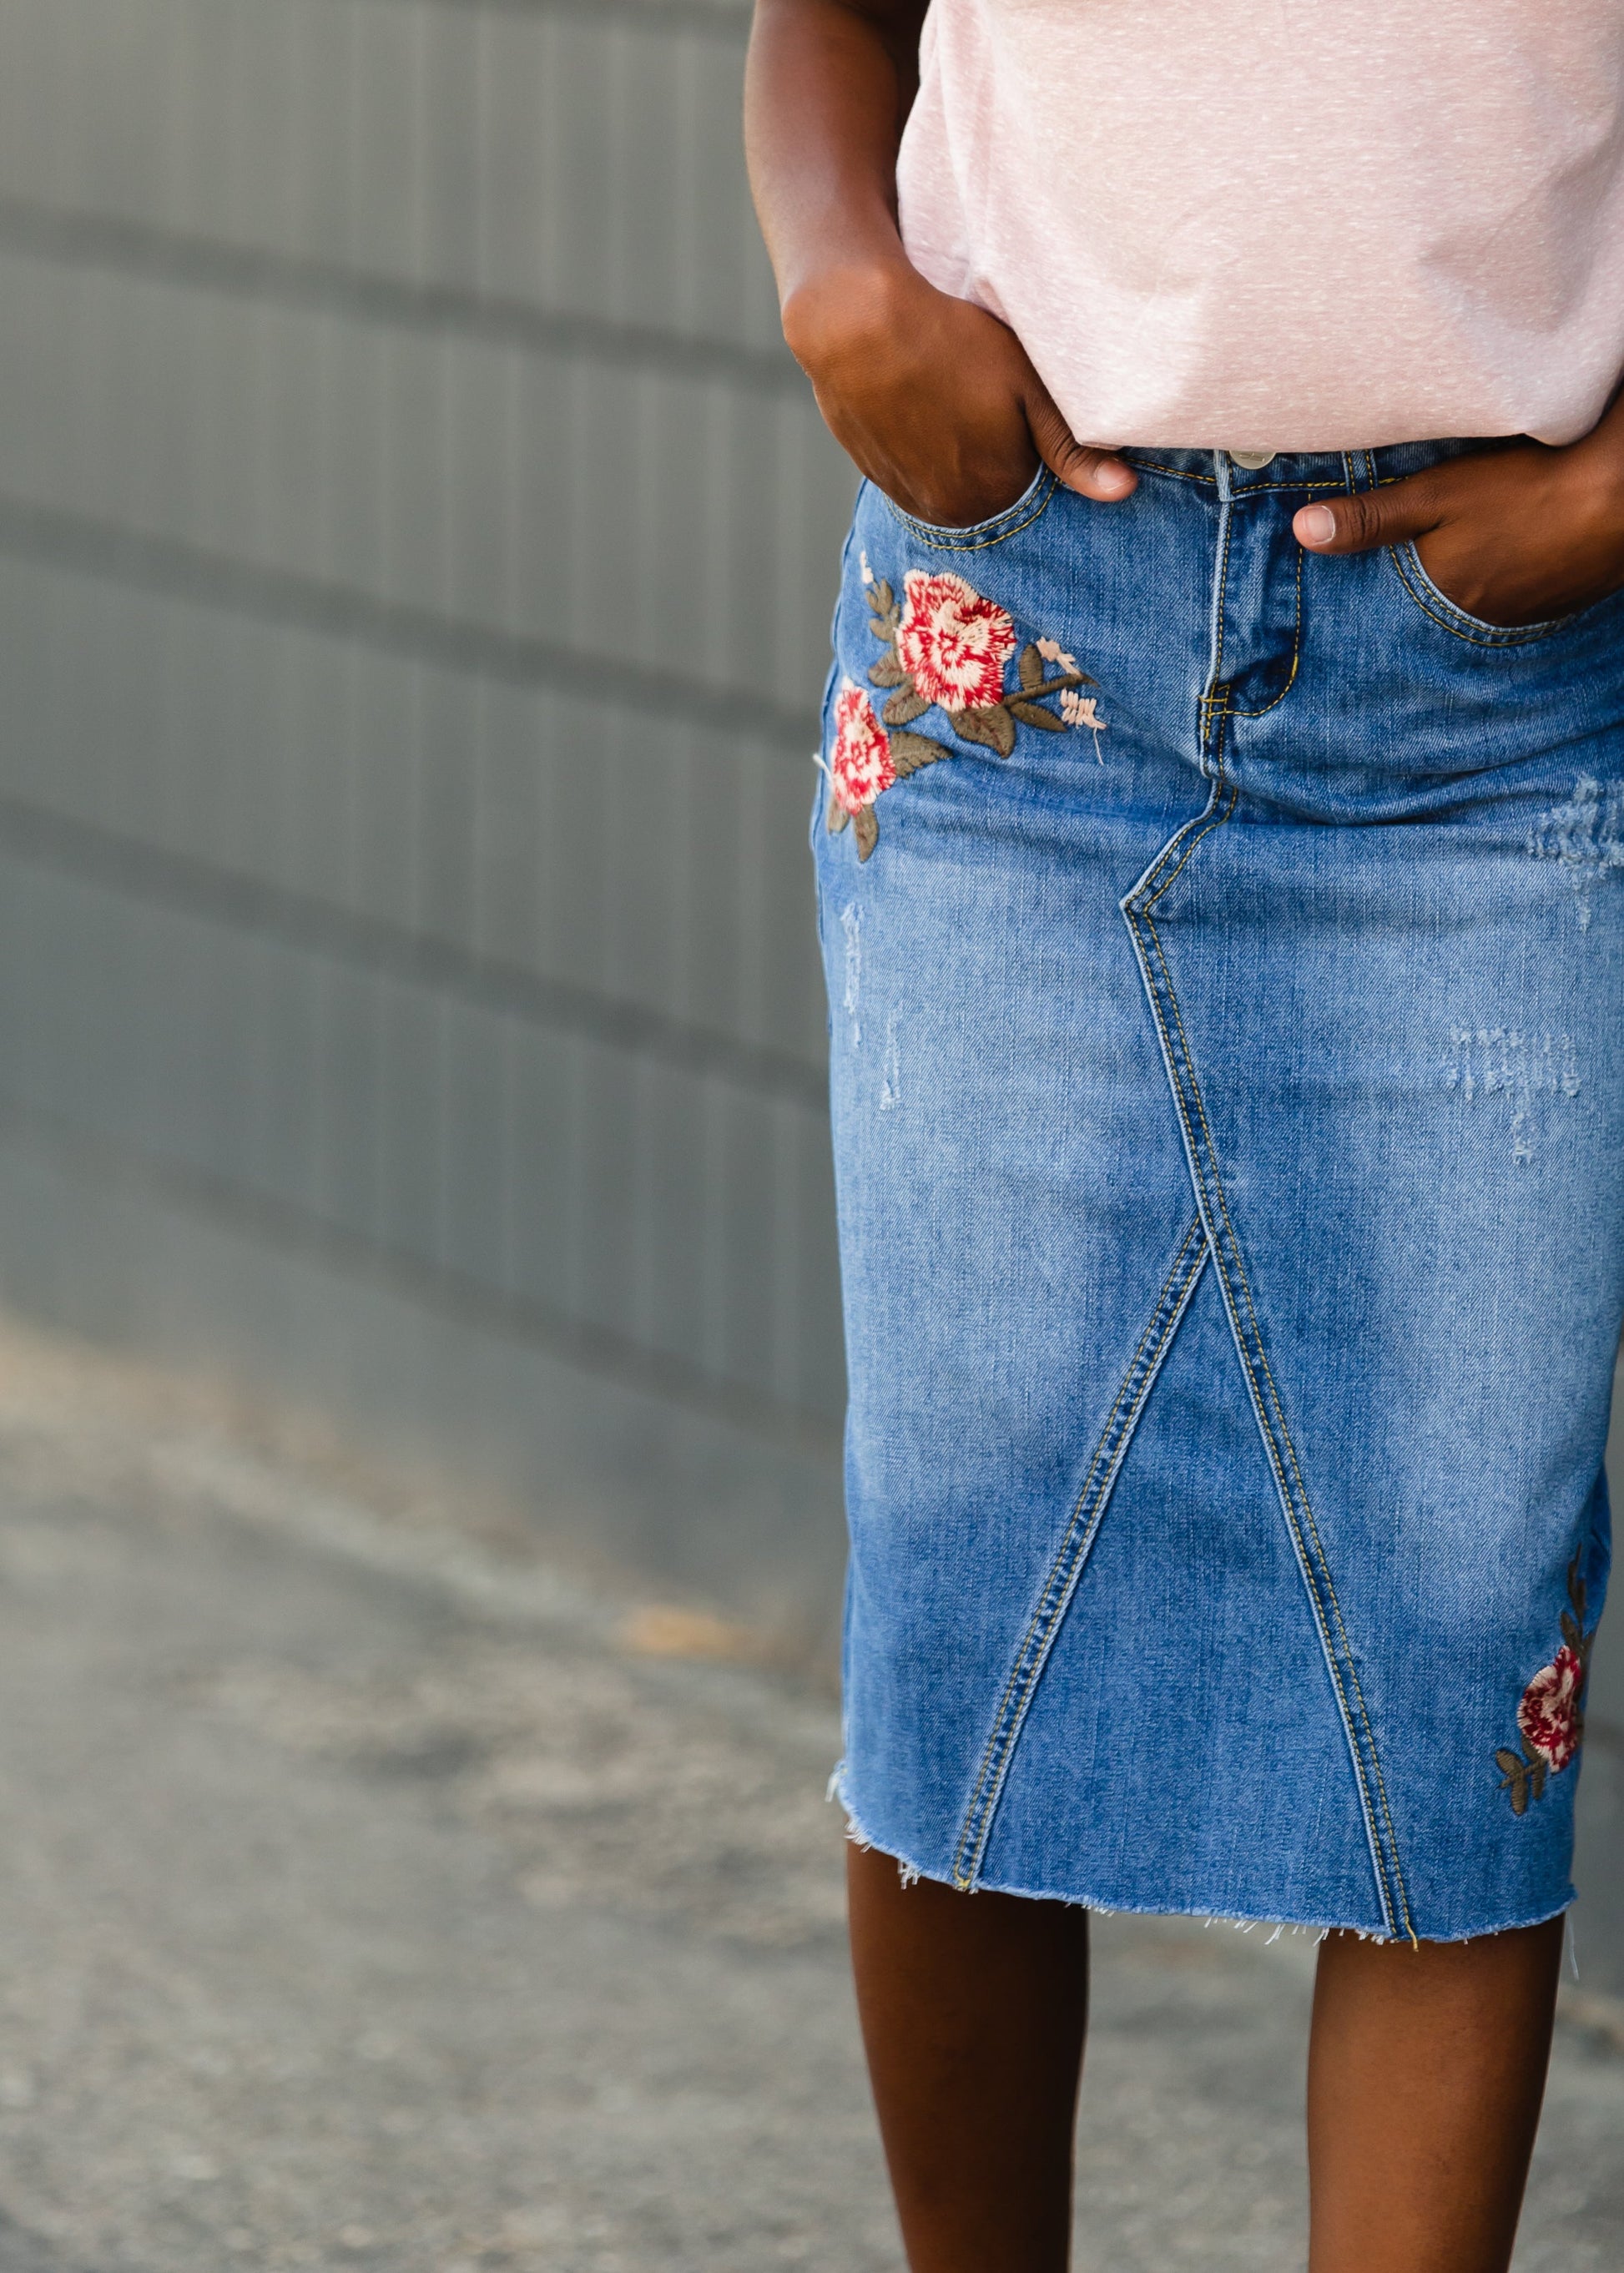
column 946, row 647
column 1550, row 1716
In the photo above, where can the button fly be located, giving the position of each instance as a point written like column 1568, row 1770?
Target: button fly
column 1253, row 460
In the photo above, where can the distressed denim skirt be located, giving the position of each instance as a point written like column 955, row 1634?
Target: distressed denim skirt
column 1225, row 954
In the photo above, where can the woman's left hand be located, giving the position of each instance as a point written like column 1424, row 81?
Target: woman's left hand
column 1515, row 537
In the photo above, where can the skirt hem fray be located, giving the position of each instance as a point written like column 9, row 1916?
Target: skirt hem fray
column 912, row 1871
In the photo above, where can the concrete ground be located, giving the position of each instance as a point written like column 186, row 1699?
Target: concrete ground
column 375, row 1897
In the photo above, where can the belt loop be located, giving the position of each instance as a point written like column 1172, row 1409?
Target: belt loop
column 1359, row 470
column 1220, row 467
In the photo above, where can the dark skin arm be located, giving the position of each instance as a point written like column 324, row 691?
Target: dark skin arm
column 936, row 401
column 939, row 404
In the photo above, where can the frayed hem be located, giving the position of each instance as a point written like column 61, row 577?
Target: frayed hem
column 911, row 1872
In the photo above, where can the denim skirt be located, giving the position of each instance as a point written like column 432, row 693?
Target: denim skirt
column 1225, row 954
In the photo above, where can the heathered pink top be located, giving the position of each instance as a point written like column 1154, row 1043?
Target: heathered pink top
column 1283, row 224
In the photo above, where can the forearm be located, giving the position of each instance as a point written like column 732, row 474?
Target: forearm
column 827, row 92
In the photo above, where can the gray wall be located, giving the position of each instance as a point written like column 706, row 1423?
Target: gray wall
column 415, row 554
column 415, row 557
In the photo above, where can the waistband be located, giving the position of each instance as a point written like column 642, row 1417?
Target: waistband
column 1309, row 470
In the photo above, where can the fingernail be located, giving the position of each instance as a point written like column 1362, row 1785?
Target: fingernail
column 1112, row 479
column 1316, row 524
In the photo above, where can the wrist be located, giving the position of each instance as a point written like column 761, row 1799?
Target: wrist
column 847, row 307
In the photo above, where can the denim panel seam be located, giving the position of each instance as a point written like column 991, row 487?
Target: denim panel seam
column 1215, row 688
column 1134, row 909
column 1060, row 1583
column 970, row 540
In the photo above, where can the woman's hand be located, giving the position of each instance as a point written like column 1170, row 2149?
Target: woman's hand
column 1514, row 535
column 936, row 401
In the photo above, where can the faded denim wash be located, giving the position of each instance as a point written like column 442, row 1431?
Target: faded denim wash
column 1228, row 1115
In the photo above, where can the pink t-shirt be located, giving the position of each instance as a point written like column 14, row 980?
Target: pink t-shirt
column 1283, row 224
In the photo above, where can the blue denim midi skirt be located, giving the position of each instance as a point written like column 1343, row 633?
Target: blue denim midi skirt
column 1225, row 953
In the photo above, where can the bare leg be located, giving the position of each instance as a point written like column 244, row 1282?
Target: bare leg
column 973, row 2010
column 1425, row 2072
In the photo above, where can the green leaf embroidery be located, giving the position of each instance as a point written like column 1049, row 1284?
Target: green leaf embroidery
column 988, row 723
column 1032, row 714
column 910, row 751
column 1030, row 668
column 888, row 671
column 867, row 830
column 905, row 706
column 837, row 816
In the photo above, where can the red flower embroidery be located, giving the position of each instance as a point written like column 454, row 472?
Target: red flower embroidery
column 859, row 764
column 1549, row 1714
column 948, row 646
column 954, row 643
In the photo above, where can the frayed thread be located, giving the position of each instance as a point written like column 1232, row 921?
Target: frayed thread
column 1286, row 1926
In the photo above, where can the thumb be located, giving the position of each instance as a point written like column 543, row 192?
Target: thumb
column 1366, row 518
column 1092, row 473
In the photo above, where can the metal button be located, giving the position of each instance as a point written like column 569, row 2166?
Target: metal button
column 1252, row 460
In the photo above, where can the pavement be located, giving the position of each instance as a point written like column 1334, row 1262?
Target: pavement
column 378, row 1896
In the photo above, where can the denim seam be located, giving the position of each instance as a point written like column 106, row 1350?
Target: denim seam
column 1174, row 473
column 1135, row 906
column 1061, row 1582
column 951, row 541
column 1512, row 635
column 1296, row 649
column 1285, row 1435
column 1216, row 691
column 1215, row 822
column 1246, row 490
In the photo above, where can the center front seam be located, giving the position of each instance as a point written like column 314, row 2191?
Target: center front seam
column 1271, row 1418
column 1201, row 1153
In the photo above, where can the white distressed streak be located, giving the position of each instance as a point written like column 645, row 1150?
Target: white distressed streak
column 1527, row 1070
column 850, row 924
column 1585, row 836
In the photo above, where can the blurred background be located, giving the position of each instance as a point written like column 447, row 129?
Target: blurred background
column 416, row 551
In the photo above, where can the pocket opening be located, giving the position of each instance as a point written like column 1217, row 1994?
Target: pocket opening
column 1033, row 500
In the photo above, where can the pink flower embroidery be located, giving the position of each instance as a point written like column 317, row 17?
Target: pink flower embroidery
column 947, row 645
column 859, row 764
column 1549, row 1714
column 953, row 642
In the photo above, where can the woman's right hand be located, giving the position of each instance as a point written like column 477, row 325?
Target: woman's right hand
column 936, row 401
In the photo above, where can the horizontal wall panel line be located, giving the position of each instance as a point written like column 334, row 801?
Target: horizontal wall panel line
column 243, row 903
column 107, row 242
column 726, row 20
column 105, row 549
column 457, row 1294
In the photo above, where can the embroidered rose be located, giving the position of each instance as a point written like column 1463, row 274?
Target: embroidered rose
column 859, row 764
column 1549, row 1714
column 954, row 643
column 945, row 647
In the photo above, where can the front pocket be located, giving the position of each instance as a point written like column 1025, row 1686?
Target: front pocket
column 1033, row 499
column 1440, row 609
